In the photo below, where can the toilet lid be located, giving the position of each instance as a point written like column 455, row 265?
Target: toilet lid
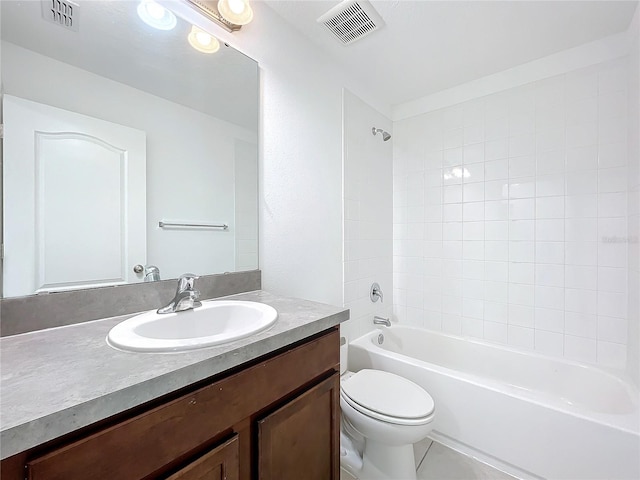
column 388, row 394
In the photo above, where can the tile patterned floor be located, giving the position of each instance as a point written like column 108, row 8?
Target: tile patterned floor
column 437, row 462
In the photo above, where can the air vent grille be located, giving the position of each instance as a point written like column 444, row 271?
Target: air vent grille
column 61, row 12
column 351, row 20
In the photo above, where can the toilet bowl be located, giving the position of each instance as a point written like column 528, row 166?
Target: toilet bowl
column 384, row 415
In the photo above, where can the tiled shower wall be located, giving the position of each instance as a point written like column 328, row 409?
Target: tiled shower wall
column 511, row 216
column 367, row 215
column 633, row 247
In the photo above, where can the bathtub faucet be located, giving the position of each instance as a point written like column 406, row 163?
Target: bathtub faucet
column 381, row 321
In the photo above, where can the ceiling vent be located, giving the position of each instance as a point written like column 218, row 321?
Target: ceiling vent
column 351, row 20
column 61, row 12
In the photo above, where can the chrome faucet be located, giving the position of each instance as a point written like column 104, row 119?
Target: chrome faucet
column 151, row 273
column 381, row 321
column 186, row 297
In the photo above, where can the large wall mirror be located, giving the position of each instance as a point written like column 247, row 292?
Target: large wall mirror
column 124, row 147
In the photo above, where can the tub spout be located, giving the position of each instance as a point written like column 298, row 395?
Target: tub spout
column 381, row 321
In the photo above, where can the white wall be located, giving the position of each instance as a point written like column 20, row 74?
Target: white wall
column 368, row 241
column 246, row 205
column 301, row 155
column 503, row 206
column 190, row 156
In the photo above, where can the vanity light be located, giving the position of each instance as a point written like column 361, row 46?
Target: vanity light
column 237, row 12
column 156, row 15
column 202, row 41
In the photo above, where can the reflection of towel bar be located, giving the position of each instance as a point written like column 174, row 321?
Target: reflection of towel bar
column 161, row 224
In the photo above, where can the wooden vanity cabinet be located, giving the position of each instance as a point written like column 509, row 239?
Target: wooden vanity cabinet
column 277, row 418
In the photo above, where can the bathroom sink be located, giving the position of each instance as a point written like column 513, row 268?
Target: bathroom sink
column 214, row 323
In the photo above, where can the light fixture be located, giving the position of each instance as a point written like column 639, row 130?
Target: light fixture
column 202, row 41
column 156, row 15
column 237, row 12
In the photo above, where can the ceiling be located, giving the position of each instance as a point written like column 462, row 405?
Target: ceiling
column 428, row 46
column 114, row 43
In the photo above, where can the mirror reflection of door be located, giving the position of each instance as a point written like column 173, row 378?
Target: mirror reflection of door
column 70, row 177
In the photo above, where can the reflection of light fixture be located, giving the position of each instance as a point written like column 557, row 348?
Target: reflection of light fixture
column 156, row 16
column 202, row 41
column 237, row 12
column 456, row 172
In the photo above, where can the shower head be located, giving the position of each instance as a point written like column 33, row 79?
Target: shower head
column 385, row 135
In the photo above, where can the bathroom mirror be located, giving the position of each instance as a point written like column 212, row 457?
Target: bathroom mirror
column 124, row 147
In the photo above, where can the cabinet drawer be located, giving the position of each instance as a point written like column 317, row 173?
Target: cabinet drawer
column 147, row 442
column 221, row 463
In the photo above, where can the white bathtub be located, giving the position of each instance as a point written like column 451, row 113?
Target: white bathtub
column 527, row 414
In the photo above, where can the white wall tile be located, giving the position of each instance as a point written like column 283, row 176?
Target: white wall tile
column 580, row 183
column 611, row 329
column 550, row 230
column 612, row 354
column 580, row 301
column 612, row 180
column 522, row 209
column 549, row 342
column 496, row 169
column 496, row 149
column 550, row 252
column 549, row 275
column 549, row 319
column 472, row 308
column 612, row 204
column 496, row 271
column 521, row 273
column 524, row 187
column 581, row 206
column 496, row 230
column 580, row 324
column 511, row 216
column 520, row 337
column 452, row 194
column 612, row 279
column 473, row 153
column 612, row 304
column 496, row 292
column 550, row 162
column 473, row 211
column 473, row 192
column 522, row 230
column 581, row 349
column 549, row 297
column 581, row 230
column 612, row 155
column 523, row 295
column 452, row 212
column 582, row 158
column 582, row 277
column 550, row 185
column 495, row 332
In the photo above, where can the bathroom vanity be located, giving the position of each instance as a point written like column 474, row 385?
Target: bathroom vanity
column 265, row 407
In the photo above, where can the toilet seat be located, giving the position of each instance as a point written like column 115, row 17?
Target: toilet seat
column 387, row 397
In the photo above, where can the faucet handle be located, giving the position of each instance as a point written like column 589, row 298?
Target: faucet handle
column 186, row 281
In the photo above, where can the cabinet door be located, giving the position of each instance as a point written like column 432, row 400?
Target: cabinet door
column 221, row 463
column 301, row 439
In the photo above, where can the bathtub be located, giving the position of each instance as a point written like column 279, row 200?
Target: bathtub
column 527, row 414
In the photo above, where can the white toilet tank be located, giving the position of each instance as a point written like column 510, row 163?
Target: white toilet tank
column 344, row 352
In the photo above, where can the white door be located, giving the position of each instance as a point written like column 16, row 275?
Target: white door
column 74, row 200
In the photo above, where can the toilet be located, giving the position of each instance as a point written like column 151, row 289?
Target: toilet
column 383, row 415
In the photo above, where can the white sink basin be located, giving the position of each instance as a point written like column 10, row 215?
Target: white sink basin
column 215, row 322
